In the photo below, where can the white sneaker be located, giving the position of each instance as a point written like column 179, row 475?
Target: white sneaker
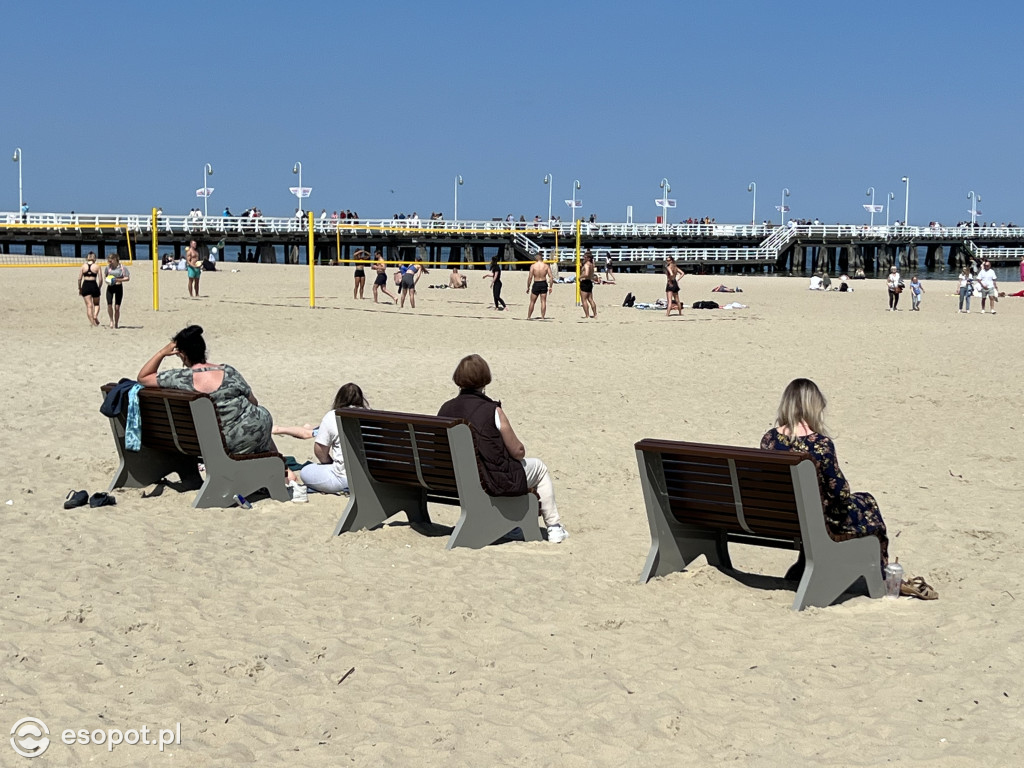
column 557, row 534
column 299, row 493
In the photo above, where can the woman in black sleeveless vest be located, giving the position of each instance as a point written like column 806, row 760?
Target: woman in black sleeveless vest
column 505, row 470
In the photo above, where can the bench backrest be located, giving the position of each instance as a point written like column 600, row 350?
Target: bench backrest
column 404, row 448
column 744, row 491
column 167, row 422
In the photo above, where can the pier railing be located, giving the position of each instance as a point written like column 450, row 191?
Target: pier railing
column 352, row 228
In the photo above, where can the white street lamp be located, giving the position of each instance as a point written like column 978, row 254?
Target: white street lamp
column 550, row 181
column 664, row 200
column 906, row 201
column 575, row 186
column 752, row 187
column 458, row 183
column 297, row 168
column 975, row 199
column 17, row 158
column 892, row 196
column 782, row 208
column 871, row 193
column 207, row 171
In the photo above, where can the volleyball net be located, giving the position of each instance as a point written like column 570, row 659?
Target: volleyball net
column 52, row 249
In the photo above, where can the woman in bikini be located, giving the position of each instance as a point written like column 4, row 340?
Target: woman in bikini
column 381, row 281
column 672, row 276
column 89, row 288
column 359, row 275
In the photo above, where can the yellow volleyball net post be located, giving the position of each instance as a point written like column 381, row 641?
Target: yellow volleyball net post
column 154, row 247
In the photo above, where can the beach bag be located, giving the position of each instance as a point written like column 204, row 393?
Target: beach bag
column 704, row 305
column 629, row 301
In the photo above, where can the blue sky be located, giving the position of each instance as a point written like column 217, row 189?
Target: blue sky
column 117, row 106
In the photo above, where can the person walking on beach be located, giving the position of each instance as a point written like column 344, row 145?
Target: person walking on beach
column 115, row 275
column 381, row 281
column 494, row 272
column 539, row 282
column 966, row 288
column 916, row 289
column 672, row 276
column 588, row 271
column 89, row 288
column 194, row 267
column 895, row 286
column 989, row 287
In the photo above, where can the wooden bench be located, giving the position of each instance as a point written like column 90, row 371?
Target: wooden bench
column 398, row 462
column 700, row 498
column 180, row 429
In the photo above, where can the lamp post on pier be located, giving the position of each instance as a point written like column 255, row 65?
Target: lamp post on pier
column 871, row 193
column 575, row 185
column 297, row 168
column 752, row 187
column 891, row 197
column 975, row 199
column 458, row 183
column 207, row 171
column 549, row 180
column 782, row 208
column 906, row 201
column 664, row 201
column 16, row 157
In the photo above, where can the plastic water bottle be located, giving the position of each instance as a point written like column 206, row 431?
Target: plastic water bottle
column 893, row 578
column 241, row 501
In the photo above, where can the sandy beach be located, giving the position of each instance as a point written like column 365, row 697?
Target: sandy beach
column 272, row 642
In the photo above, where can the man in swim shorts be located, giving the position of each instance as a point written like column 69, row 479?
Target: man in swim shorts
column 539, row 282
column 194, row 267
column 588, row 271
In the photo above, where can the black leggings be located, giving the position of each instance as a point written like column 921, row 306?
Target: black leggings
column 496, row 291
column 894, row 299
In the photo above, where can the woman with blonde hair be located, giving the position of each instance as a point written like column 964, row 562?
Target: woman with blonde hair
column 800, row 426
column 89, row 288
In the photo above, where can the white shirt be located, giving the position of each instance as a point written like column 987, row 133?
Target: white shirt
column 328, row 437
column 815, row 283
column 987, row 278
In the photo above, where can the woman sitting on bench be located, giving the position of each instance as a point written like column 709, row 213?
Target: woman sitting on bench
column 800, row 426
column 245, row 424
column 502, row 455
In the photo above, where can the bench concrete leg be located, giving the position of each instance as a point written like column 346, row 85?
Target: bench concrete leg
column 243, row 477
column 843, row 564
column 138, row 469
column 485, row 519
column 370, row 504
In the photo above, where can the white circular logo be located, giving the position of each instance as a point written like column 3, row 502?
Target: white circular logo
column 30, row 737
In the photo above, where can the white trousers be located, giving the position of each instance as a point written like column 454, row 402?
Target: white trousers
column 323, row 478
column 537, row 477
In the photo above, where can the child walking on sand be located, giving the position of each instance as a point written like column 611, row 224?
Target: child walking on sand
column 916, row 289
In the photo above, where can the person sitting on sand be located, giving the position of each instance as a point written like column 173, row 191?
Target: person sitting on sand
column 328, row 475
column 501, row 456
column 456, row 279
column 800, row 426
